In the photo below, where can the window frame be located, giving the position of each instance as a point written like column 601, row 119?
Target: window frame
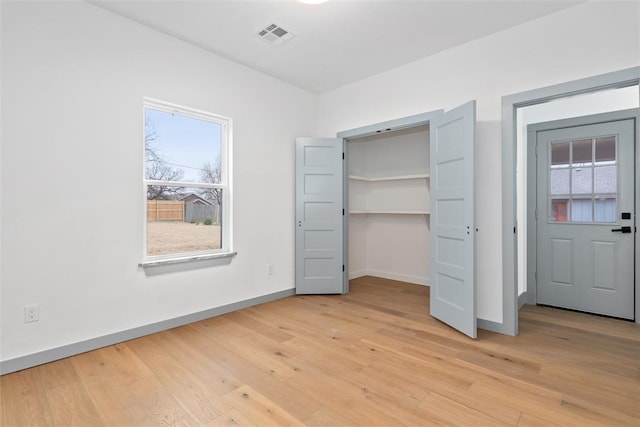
column 225, row 184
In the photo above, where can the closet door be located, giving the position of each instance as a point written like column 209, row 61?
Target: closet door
column 453, row 219
column 319, row 213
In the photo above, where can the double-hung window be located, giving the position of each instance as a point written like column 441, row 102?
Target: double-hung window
column 186, row 182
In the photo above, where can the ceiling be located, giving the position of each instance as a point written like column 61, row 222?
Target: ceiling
column 335, row 43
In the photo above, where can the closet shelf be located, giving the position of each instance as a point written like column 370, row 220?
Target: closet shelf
column 389, row 212
column 389, row 178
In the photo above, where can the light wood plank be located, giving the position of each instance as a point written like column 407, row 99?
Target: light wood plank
column 259, row 409
column 325, row 417
column 125, row 391
column 450, row 411
column 23, row 400
column 71, row 405
column 231, row 418
column 188, row 389
column 372, row 357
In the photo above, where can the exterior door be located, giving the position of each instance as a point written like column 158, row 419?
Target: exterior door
column 319, row 212
column 586, row 217
column 453, row 219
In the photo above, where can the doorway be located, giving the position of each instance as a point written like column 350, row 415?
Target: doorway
column 512, row 227
column 584, row 213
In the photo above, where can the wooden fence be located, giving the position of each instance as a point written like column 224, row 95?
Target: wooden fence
column 197, row 213
column 165, row 210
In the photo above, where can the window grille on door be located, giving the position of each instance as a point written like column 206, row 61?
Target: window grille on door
column 583, row 180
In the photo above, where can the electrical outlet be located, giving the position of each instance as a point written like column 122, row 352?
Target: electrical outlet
column 270, row 269
column 31, row 313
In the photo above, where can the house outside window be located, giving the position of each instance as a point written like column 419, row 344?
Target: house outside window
column 583, row 180
column 186, row 182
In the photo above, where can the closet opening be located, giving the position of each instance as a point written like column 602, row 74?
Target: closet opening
column 387, row 200
column 396, row 201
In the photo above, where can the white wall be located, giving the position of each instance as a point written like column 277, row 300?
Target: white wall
column 1, row 174
column 73, row 80
column 585, row 40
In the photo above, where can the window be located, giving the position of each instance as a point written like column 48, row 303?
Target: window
column 186, row 182
column 583, row 180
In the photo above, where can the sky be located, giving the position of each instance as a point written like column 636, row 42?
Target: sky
column 185, row 143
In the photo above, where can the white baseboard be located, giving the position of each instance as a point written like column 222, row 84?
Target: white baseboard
column 356, row 274
column 522, row 299
column 490, row 325
column 395, row 276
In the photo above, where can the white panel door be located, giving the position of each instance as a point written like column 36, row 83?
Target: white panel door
column 453, row 219
column 319, row 214
column 586, row 228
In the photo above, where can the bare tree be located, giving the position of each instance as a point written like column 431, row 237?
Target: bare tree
column 150, row 141
column 211, row 174
column 162, row 172
column 156, row 167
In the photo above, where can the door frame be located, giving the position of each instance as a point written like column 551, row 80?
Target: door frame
column 510, row 104
column 361, row 132
column 531, row 182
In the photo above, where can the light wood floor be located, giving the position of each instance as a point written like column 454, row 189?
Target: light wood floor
column 373, row 357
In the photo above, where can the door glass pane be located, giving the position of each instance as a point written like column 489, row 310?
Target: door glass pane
column 605, row 210
column 559, row 210
column 582, row 152
column 585, row 171
column 581, row 179
column 559, row 181
column 606, row 149
column 605, row 179
column 581, row 210
column 560, row 153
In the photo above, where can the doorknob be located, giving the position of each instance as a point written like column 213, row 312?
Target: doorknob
column 624, row 230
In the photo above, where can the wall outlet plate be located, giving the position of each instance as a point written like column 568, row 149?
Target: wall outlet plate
column 31, row 313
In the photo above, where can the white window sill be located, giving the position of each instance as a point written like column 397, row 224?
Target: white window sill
column 181, row 260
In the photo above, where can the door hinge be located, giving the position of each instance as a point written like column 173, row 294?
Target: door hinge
column 342, row 212
column 343, row 268
column 535, row 276
column 342, row 156
column 536, row 149
column 514, row 230
column 536, row 213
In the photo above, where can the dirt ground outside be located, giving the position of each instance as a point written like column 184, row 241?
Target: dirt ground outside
column 166, row 237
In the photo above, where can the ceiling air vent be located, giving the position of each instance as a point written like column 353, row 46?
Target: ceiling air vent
column 275, row 34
